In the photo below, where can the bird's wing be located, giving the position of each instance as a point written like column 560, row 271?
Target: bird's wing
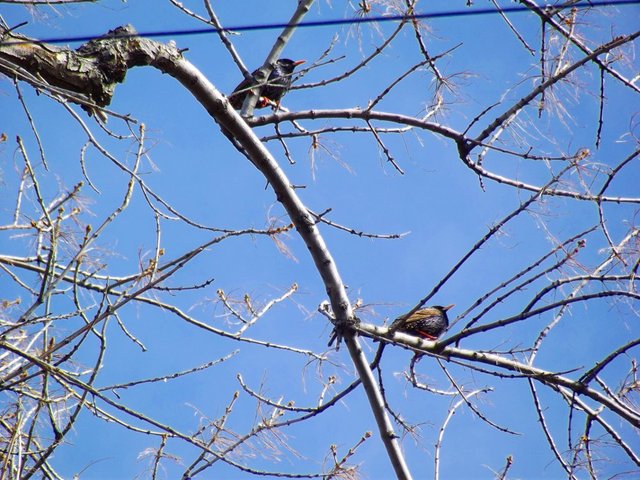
column 418, row 316
column 421, row 315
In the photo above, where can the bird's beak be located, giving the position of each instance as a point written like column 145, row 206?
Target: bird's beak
column 299, row 62
column 448, row 307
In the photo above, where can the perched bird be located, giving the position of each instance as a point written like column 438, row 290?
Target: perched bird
column 428, row 323
column 278, row 83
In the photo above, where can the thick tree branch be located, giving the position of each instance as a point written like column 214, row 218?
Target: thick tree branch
column 104, row 63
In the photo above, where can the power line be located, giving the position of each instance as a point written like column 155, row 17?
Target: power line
column 333, row 22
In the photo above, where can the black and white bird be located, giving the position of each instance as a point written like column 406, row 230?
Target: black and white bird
column 277, row 85
column 428, row 323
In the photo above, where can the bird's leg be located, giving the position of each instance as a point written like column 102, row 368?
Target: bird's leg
column 427, row 335
column 272, row 103
column 263, row 102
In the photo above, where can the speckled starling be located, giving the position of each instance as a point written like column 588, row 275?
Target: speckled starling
column 277, row 85
column 428, row 323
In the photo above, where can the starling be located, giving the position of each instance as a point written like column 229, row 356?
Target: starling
column 277, row 85
column 428, row 323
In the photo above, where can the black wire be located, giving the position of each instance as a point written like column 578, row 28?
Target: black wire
column 341, row 21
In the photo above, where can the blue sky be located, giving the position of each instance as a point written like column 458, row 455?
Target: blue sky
column 438, row 200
